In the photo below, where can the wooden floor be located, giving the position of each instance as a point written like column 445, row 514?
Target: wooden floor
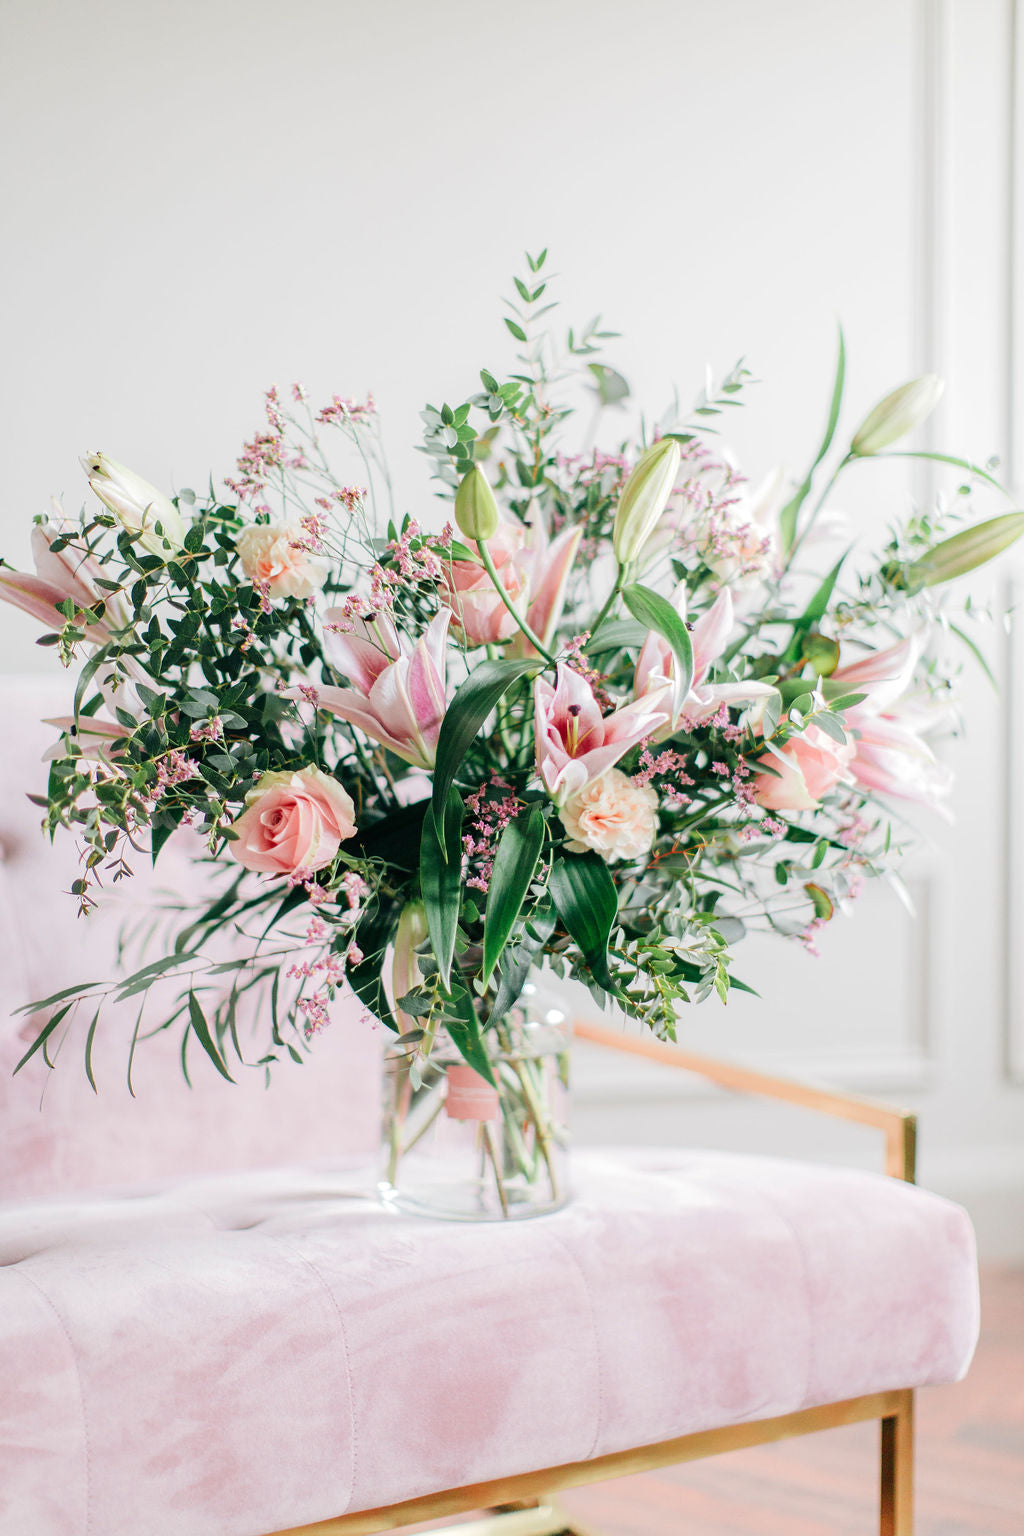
column 970, row 1463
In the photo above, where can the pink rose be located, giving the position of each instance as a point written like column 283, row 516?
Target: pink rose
column 806, row 768
column 613, row 816
column 277, row 557
column 292, row 821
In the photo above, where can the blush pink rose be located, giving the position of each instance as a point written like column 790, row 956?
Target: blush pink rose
column 292, row 821
column 277, row 557
column 808, row 767
column 613, row 816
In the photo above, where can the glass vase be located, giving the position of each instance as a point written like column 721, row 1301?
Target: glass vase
column 455, row 1147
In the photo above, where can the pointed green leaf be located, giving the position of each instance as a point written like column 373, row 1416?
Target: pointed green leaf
column 43, row 1035
column 473, row 702
column 515, row 863
column 650, row 608
column 463, row 1026
column 791, row 511
column 201, row 1030
column 584, row 895
column 441, row 881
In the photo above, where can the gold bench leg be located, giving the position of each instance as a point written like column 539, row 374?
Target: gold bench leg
column 898, row 1470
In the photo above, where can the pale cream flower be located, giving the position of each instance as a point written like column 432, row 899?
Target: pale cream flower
column 277, row 557
column 613, row 816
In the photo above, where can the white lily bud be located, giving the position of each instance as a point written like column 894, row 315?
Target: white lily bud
column 405, row 973
column 965, row 551
column 644, row 498
column 476, row 511
column 897, row 414
column 137, row 505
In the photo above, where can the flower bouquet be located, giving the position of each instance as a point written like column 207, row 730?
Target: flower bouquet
column 615, row 713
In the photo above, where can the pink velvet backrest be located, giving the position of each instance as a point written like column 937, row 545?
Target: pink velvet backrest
column 57, row 1133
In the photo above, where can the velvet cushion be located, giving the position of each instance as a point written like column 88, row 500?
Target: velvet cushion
column 235, row 1355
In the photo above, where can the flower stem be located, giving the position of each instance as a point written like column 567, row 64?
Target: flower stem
column 485, row 556
column 620, row 579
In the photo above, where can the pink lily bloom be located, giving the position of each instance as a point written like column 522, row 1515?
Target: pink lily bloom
column 399, row 693
column 96, row 736
column 533, row 571
column 891, row 755
column 657, row 665
column 894, row 759
column 66, row 573
column 575, row 742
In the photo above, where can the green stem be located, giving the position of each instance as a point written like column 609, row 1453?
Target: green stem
column 620, row 580
column 485, row 556
column 805, row 530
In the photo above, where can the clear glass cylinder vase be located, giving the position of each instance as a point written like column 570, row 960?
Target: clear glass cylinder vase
column 455, row 1147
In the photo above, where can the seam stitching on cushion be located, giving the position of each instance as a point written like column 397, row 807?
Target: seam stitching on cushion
column 598, row 1356
column 348, row 1366
column 87, row 1502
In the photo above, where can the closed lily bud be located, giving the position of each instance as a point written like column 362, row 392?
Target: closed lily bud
column 476, row 510
column 137, row 505
column 897, row 414
column 644, row 498
column 965, row 551
column 405, row 972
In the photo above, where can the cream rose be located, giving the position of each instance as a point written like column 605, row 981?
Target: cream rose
column 292, row 821
column 613, row 816
column 276, row 556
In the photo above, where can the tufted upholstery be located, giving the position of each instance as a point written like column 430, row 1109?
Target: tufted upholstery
column 236, row 1355
column 58, row 1134
column 223, row 1347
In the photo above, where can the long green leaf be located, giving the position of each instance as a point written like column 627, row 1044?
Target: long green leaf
column 815, row 610
column 518, row 960
column 791, row 511
column 584, row 895
column 201, row 1030
column 617, row 635
column 43, row 1035
column 472, row 703
column 945, row 458
column 515, row 863
column 441, row 881
column 463, row 1026
column 374, row 934
column 58, row 997
column 650, row 608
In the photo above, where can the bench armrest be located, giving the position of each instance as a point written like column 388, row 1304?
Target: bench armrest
column 898, row 1125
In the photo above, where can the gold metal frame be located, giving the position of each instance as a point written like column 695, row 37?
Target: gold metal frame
column 521, row 1505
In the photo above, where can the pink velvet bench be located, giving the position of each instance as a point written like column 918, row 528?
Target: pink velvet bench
column 209, row 1328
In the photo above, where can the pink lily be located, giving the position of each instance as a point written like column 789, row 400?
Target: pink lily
column 66, row 573
column 399, row 695
column 575, row 743
column 891, row 757
column 96, row 736
column 890, row 753
column 657, row 665
column 534, row 573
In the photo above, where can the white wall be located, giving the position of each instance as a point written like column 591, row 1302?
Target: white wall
column 207, row 196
